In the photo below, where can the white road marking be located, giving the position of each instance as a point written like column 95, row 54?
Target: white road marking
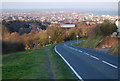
column 76, row 49
column 86, row 53
column 109, row 64
column 79, row 50
column 72, row 48
column 65, row 45
column 94, row 57
column 79, row 77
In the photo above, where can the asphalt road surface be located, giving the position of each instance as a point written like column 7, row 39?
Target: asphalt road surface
column 87, row 63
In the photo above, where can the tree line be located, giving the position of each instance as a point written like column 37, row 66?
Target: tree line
column 13, row 41
column 32, row 39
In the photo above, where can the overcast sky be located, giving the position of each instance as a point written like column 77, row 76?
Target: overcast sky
column 61, row 5
column 59, row 0
column 58, row 4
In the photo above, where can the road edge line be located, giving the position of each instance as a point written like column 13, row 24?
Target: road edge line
column 79, row 77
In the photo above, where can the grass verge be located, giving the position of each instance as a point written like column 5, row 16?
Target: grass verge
column 93, row 42
column 35, row 64
column 90, row 42
column 115, row 49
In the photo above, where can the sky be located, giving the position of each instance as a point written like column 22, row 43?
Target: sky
column 61, row 5
column 82, row 5
column 59, row 0
column 100, row 5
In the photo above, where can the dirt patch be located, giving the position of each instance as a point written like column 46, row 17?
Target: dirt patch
column 37, row 47
column 108, row 42
column 51, row 74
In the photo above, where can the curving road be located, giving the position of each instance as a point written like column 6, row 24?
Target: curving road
column 88, row 63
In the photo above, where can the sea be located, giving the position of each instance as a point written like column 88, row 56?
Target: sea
column 94, row 12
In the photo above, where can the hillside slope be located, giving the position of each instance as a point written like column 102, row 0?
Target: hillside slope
column 35, row 64
column 101, row 42
column 90, row 42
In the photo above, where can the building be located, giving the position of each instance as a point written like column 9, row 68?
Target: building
column 68, row 26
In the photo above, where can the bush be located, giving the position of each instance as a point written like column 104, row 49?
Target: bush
column 57, row 34
column 8, row 47
column 115, row 49
column 105, row 29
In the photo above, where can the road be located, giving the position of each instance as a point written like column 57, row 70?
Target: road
column 87, row 63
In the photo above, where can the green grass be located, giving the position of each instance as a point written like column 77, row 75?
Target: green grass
column 93, row 42
column 115, row 49
column 35, row 64
column 0, row 67
column 90, row 42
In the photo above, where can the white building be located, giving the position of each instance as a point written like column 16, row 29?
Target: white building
column 67, row 25
column 118, row 25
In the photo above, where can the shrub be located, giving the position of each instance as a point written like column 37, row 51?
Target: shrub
column 105, row 29
column 8, row 47
column 57, row 34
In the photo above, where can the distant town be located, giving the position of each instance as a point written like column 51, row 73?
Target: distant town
column 58, row 17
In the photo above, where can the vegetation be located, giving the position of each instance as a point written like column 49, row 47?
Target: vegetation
column 35, row 64
column 90, row 42
column 16, row 46
column 31, row 63
column 16, row 25
column 97, row 34
column 105, row 29
column 115, row 49
column 9, row 40
column 19, row 37
column 57, row 34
